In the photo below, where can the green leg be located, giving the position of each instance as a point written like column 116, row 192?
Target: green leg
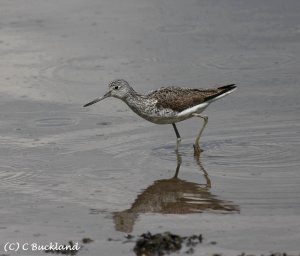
column 196, row 145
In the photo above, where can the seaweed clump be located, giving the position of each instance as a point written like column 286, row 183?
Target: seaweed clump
column 164, row 243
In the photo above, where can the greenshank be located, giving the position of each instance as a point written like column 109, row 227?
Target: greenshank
column 167, row 105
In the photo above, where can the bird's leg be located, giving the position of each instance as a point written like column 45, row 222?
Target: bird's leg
column 177, row 135
column 196, row 145
column 179, row 161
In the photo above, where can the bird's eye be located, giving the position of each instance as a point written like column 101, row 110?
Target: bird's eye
column 116, row 87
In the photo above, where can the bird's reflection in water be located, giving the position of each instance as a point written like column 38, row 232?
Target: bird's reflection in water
column 174, row 196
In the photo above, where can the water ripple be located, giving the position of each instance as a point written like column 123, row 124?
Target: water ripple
column 248, row 62
column 254, row 147
column 268, row 147
column 89, row 69
column 55, row 121
column 16, row 178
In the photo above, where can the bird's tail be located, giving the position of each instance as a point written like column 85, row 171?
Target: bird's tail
column 222, row 91
column 227, row 87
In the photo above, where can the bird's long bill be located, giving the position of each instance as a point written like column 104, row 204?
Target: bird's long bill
column 98, row 99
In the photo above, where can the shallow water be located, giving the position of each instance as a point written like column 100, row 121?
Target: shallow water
column 69, row 172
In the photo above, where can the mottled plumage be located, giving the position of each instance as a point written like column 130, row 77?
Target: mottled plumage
column 179, row 99
column 167, row 105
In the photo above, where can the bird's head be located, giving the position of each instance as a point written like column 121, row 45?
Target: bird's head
column 118, row 88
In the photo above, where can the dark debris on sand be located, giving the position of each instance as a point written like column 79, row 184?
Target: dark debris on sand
column 167, row 243
column 164, row 243
column 87, row 240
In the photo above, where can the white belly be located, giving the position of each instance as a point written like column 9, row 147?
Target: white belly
column 178, row 117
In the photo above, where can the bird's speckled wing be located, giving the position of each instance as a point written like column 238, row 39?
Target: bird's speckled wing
column 179, row 99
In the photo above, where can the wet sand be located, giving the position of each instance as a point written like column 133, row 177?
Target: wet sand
column 69, row 173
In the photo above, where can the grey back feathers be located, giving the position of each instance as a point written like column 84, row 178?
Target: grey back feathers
column 179, row 99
